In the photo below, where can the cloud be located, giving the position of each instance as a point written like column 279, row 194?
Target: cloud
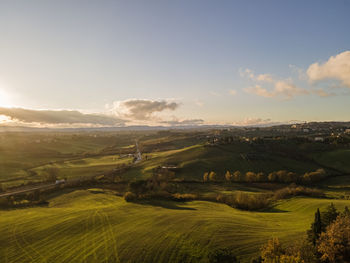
column 323, row 93
column 188, row 122
column 141, row 109
column 280, row 89
column 337, row 67
column 58, row 117
column 255, row 122
column 275, row 87
column 264, row 78
column 258, row 90
column 232, row 92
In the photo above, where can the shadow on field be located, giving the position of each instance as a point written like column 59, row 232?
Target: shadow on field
column 164, row 204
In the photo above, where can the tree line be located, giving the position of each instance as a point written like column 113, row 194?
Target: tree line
column 281, row 176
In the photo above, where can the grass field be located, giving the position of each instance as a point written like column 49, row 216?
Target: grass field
column 97, row 226
column 21, row 153
column 338, row 159
column 194, row 160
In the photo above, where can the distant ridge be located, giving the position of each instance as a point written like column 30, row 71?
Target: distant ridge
column 335, row 124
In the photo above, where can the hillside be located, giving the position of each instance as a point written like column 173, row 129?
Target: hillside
column 95, row 225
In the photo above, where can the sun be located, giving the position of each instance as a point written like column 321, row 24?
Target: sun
column 4, row 99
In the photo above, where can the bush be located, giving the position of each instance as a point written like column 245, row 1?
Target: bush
column 129, row 197
column 294, row 190
column 245, row 201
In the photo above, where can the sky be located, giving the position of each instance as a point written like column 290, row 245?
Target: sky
column 183, row 62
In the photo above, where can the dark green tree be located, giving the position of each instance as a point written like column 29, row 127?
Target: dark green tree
column 328, row 216
column 346, row 211
column 316, row 228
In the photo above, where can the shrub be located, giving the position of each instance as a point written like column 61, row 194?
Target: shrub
column 245, row 201
column 294, row 190
column 315, row 176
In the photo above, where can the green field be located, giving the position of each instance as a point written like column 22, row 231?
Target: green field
column 21, row 153
column 194, row 160
column 86, row 154
column 97, row 226
column 338, row 159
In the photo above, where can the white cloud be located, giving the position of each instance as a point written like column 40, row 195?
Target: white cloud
column 269, row 86
column 255, row 122
column 281, row 88
column 264, row 78
column 337, row 67
column 258, row 90
column 232, row 92
column 185, row 122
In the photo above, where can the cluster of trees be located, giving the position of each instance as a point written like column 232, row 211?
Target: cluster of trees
column 294, row 190
column 245, row 201
column 159, row 185
column 281, row 176
column 22, row 200
column 328, row 240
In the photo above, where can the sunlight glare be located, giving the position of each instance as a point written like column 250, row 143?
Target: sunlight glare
column 4, row 99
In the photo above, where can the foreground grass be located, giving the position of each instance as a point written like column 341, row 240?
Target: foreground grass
column 97, row 226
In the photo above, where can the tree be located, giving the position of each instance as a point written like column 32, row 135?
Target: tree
column 250, row 177
column 272, row 251
column 316, row 228
column 51, row 174
column 272, row 177
column 291, row 177
column 228, row 176
column 334, row 244
column 328, row 216
column 206, row 177
column 222, row 256
column 303, row 250
column 212, row 176
column 261, row 177
column 282, row 175
column 346, row 211
column 237, row 176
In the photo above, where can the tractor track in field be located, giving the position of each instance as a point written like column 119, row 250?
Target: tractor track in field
column 28, row 249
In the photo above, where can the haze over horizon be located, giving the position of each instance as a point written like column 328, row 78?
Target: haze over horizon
column 117, row 63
